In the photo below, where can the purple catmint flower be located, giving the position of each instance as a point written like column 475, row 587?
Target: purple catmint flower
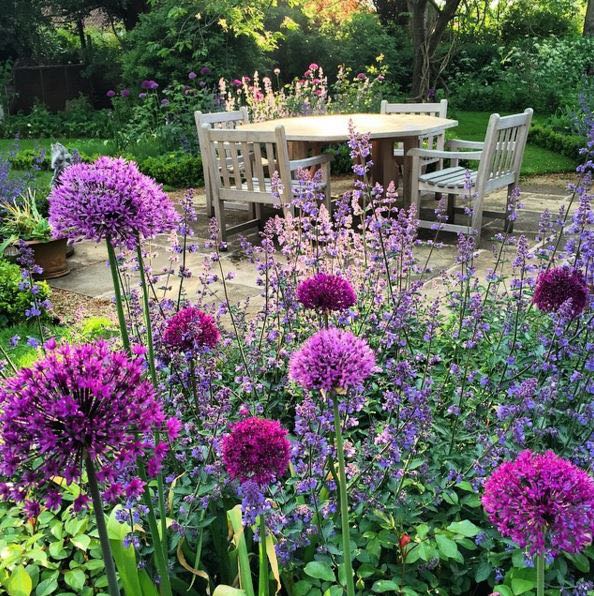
column 332, row 359
column 111, row 93
column 191, row 329
column 542, row 502
column 256, row 450
column 149, row 85
column 77, row 402
column 559, row 284
column 110, row 199
column 326, row 292
column 192, row 75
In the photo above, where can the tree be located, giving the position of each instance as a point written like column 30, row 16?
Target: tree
column 428, row 24
column 589, row 20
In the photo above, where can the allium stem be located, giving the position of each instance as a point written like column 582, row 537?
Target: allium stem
column 113, row 265
column 112, row 580
column 263, row 578
column 344, row 505
column 540, row 575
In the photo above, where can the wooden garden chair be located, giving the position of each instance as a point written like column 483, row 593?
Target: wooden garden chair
column 220, row 120
column 437, row 141
column 500, row 160
column 241, row 164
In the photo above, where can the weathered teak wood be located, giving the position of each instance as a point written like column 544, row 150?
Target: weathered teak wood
column 431, row 141
column 383, row 129
column 500, row 159
column 221, row 120
column 241, row 168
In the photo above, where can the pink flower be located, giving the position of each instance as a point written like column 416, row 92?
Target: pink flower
column 326, row 292
column 191, row 329
column 559, row 284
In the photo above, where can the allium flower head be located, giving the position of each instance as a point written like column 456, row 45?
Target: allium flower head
column 109, row 199
column 256, row 449
column 78, row 401
column 332, row 359
column 192, row 75
column 542, row 502
column 149, row 85
column 205, row 71
column 326, row 292
column 559, row 284
column 191, row 329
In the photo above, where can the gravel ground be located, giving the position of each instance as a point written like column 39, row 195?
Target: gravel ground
column 70, row 307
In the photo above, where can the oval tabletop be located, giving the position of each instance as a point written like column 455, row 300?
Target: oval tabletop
column 335, row 127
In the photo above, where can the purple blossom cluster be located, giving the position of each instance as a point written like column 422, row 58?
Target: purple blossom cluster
column 326, row 292
column 542, row 502
column 78, row 402
column 109, row 200
column 191, row 330
column 557, row 285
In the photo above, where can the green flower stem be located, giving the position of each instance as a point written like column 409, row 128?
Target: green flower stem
column 153, row 373
column 263, row 578
column 344, row 505
column 160, row 558
column 540, row 575
column 113, row 265
column 112, row 580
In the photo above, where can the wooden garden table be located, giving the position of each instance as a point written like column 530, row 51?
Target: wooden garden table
column 304, row 132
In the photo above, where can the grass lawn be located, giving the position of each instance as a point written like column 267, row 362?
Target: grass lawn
column 472, row 126
column 537, row 160
column 22, row 354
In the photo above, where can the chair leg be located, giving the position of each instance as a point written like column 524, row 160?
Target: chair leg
column 327, row 190
column 477, row 218
column 508, row 225
column 451, row 208
column 219, row 208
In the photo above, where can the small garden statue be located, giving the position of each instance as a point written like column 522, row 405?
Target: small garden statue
column 61, row 159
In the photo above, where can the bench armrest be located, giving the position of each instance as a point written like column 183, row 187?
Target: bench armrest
column 308, row 162
column 461, row 144
column 475, row 155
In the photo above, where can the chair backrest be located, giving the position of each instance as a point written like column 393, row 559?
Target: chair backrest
column 242, row 163
column 437, row 110
column 219, row 120
column 505, row 141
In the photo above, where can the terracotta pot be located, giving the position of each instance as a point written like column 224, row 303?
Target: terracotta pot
column 51, row 257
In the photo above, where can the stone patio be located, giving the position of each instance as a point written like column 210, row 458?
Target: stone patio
column 90, row 275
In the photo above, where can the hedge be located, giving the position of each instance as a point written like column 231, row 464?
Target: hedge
column 568, row 145
column 180, row 170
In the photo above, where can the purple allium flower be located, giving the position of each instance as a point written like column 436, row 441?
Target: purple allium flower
column 332, row 359
column 149, row 85
column 256, row 449
column 205, row 71
column 125, row 92
column 542, row 502
column 76, row 402
column 361, row 76
column 559, row 284
column 142, row 95
column 109, row 199
column 164, row 102
column 192, row 75
column 191, row 329
column 326, row 292
column 111, row 93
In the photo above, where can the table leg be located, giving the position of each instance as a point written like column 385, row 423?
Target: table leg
column 384, row 168
column 298, row 149
column 408, row 143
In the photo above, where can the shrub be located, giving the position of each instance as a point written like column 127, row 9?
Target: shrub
column 180, row 170
column 14, row 301
column 566, row 144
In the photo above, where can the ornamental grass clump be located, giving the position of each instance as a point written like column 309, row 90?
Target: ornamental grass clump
column 543, row 503
column 325, row 292
column 557, row 285
column 80, row 408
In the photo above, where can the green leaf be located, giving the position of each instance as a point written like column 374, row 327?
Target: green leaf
column 580, row 561
column 503, row 590
column 450, row 496
column 334, row 591
column 302, row 588
column 227, row 591
column 447, row 547
column 465, row 528
column 483, row 571
column 521, row 586
column 81, row 541
column 384, row 585
column 320, row 570
column 47, row 586
column 19, row 583
column 75, row 578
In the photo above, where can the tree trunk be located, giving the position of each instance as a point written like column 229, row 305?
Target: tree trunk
column 131, row 13
column 589, row 20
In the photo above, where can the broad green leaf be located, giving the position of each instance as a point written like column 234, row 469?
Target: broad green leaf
column 320, row 570
column 580, row 561
column 483, row 571
column 81, row 541
column 384, row 585
column 302, row 588
column 46, row 587
column 19, row 583
column 465, row 528
column 447, row 546
column 227, row 591
column 334, row 591
column 503, row 590
column 521, row 586
column 75, row 578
